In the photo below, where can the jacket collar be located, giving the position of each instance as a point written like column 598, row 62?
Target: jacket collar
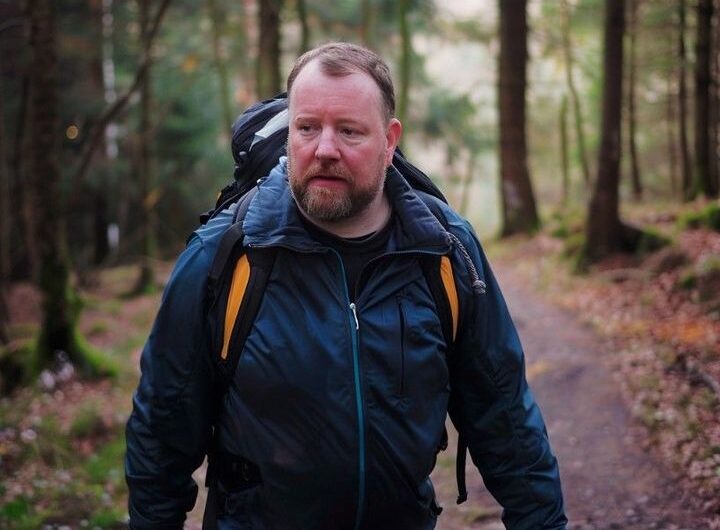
column 273, row 218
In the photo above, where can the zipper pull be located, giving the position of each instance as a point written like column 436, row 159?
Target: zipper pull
column 353, row 308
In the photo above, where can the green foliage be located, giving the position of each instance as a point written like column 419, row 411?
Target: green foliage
column 651, row 240
column 18, row 365
column 107, row 464
column 708, row 217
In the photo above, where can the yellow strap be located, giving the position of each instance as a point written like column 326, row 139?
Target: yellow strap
column 240, row 278
column 446, row 273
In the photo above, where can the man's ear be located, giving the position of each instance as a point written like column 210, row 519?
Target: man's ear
column 394, row 131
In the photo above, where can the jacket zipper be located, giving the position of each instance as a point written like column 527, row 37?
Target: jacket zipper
column 355, row 338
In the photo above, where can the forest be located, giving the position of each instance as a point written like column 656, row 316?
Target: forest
column 580, row 137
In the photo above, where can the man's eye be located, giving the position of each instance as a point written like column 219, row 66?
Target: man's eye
column 348, row 132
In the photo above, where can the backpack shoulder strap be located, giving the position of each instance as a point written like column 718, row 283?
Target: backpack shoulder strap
column 441, row 281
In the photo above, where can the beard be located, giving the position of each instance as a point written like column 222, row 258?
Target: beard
column 329, row 205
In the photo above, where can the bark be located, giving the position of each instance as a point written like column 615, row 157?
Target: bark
column 5, row 229
column 637, row 186
column 60, row 307
column 715, row 103
column 268, row 80
column 304, row 27
column 519, row 213
column 672, row 141
column 564, row 152
column 146, row 177
column 604, row 229
column 577, row 109
column 702, row 179
column 686, row 161
column 218, row 33
column 405, row 59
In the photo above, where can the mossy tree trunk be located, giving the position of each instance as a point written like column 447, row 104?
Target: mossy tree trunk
column 268, row 81
column 519, row 211
column 146, row 177
column 60, row 307
column 604, row 229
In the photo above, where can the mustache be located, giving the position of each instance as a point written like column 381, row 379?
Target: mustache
column 328, row 170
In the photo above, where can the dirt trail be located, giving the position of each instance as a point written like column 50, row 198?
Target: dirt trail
column 609, row 482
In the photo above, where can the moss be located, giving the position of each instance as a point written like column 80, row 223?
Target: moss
column 651, row 240
column 688, row 279
column 708, row 217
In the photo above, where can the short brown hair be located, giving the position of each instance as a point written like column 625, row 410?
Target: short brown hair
column 338, row 59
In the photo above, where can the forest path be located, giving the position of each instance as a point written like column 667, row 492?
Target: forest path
column 609, row 481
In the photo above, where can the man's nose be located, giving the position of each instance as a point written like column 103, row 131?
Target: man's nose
column 327, row 148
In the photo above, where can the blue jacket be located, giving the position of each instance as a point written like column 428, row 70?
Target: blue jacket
column 342, row 417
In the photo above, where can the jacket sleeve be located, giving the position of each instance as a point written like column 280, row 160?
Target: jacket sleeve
column 169, row 429
column 493, row 407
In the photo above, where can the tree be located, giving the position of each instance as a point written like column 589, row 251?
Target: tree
column 703, row 142
column 605, row 232
column 145, row 158
column 5, row 229
column 268, row 80
column 686, row 162
column 217, row 18
column 304, row 26
column 572, row 89
column 60, row 306
column 637, row 187
column 519, row 213
column 406, row 52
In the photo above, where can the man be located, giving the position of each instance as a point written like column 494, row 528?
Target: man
column 337, row 406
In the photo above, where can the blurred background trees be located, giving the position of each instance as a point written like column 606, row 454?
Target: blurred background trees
column 508, row 105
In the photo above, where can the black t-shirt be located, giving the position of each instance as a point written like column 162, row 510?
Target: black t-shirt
column 356, row 252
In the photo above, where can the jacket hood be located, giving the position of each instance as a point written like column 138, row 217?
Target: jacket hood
column 273, row 218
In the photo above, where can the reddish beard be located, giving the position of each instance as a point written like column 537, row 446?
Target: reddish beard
column 325, row 203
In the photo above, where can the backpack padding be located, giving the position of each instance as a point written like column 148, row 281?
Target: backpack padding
column 238, row 287
column 448, row 280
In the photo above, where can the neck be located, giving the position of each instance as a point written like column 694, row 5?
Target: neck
column 372, row 219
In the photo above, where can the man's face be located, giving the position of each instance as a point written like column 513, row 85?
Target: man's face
column 339, row 144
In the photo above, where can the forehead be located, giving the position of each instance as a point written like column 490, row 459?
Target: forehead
column 315, row 91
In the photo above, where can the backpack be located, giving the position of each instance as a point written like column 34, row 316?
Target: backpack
column 237, row 277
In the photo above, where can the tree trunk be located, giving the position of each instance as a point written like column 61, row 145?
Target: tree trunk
column 5, row 229
column 672, row 142
column 519, row 213
column 60, row 306
column 146, row 177
column 564, row 153
column 715, row 103
column 703, row 181
column 403, row 7
column 268, row 65
column 217, row 18
column 570, row 79
column 367, row 22
column 632, row 112
column 304, row 27
column 688, row 191
column 467, row 183
column 604, row 229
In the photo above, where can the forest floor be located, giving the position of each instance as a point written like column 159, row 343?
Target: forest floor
column 625, row 363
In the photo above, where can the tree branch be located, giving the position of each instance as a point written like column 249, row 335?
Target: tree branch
column 96, row 134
